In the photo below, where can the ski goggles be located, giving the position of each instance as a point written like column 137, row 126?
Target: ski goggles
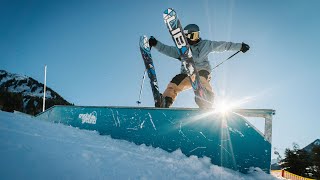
column 193, row 36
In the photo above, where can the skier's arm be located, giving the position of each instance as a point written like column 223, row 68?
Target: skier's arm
column 220, row 46
column 167, row 50
column 164, row 49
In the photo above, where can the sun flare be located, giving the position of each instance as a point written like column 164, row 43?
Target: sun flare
column 223, row 105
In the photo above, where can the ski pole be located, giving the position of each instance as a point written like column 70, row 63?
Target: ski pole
column 141, row 87
column 226, row 60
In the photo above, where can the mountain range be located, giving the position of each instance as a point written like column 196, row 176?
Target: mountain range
column 25, row 94
column 309, row 147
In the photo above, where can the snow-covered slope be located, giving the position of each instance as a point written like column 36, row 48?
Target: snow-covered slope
column 25, row 93
column 23, row 84
column 33, row 149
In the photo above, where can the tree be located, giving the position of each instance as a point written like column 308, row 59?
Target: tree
column 297, row 161
column 315, row 158
column 11, row 101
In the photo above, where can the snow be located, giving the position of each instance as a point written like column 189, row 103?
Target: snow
column 26, row 91
column 35, row 103
column 35, row 149
column 23, row 88
column 10, row 76
column 38, row 92
column 18, row 89
column 25, row 102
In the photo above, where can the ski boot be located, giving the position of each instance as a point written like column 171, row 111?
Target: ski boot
column 165, row 102
column 205, row 104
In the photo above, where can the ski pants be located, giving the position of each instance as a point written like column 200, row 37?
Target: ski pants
column 181, row 82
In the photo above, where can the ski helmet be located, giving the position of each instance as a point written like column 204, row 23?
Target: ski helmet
column 192, row 31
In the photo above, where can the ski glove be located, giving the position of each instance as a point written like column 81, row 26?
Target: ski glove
column 152, row 41
column 245, row 47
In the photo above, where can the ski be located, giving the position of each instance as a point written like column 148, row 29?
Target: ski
column 176, row 31
column 148, row 62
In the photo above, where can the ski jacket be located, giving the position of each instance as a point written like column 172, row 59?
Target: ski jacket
column 200, row 52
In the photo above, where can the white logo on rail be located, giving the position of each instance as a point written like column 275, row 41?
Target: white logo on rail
column 89, row 118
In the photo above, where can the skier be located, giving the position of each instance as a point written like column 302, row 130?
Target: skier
column 200, row 51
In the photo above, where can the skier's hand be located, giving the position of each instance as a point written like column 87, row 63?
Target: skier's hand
column 245, row 47
column 152, row 41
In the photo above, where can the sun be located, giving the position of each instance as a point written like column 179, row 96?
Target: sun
column 223, row 107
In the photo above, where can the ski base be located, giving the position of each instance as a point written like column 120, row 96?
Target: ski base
column 148, row 62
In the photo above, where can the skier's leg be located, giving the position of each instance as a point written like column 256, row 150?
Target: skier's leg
column 205, row 78
column 206, row 84
column 179, row 83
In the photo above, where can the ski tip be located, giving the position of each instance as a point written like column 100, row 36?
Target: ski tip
column 168, row 11
column 143, row 37
column 144, row 42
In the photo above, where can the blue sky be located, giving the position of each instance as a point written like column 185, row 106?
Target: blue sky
column 91, row 50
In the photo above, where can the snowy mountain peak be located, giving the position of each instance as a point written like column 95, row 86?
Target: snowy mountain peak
column 23, row 93
column 309, row 147
column 2, row 72
column 23, row 84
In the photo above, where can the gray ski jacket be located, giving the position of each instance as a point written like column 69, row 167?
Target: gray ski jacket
column 200, row 52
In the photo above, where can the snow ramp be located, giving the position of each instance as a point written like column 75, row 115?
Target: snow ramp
column 228, row 139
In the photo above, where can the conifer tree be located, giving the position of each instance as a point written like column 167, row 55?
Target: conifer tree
column 297, row 161
column 315, row 158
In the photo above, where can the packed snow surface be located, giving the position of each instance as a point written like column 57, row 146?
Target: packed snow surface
column 34, row 149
